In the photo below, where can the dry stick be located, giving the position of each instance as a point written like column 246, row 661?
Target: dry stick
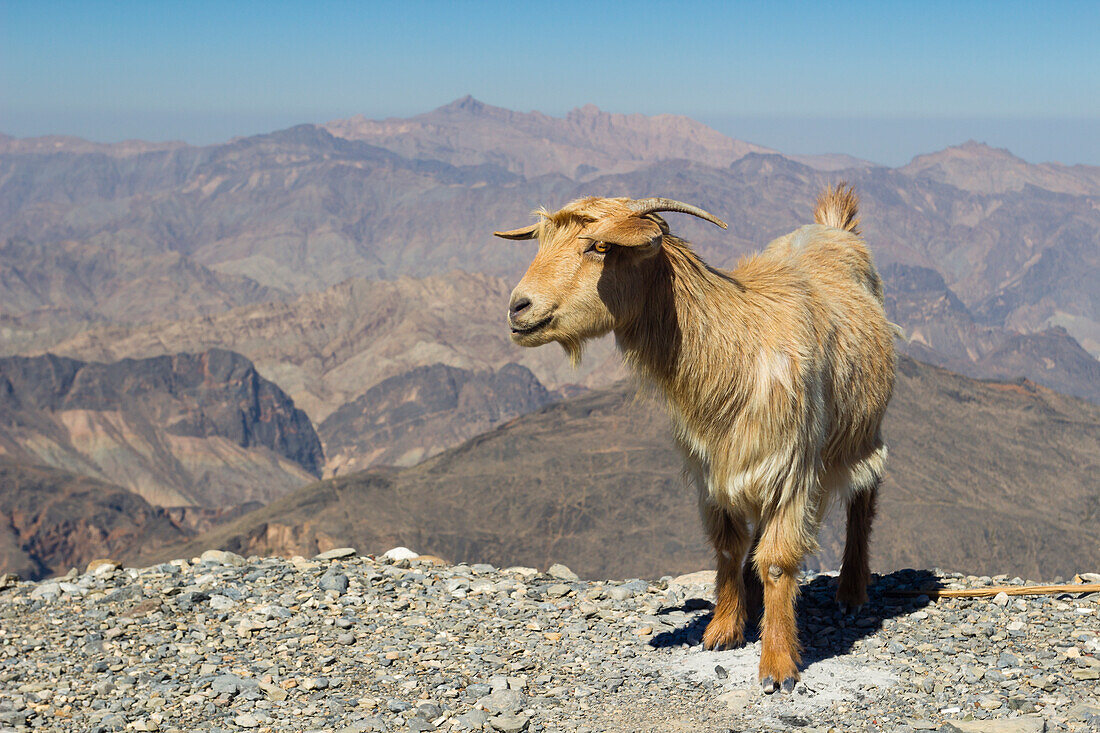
column 1011, row 590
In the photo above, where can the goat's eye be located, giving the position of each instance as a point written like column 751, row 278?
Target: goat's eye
column 601, row 247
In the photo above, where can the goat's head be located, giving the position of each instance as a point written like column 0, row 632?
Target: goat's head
column 588, row 275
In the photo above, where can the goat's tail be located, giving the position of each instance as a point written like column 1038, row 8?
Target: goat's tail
column 838, row 206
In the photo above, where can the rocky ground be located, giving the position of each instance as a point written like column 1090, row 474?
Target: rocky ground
column 342, row 642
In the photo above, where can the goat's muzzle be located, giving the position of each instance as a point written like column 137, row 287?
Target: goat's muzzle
column 524, row 320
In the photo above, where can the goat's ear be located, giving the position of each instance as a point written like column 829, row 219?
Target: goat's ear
column 529, row 232
column 625, row 231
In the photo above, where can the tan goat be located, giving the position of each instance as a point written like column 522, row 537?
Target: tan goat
column 776, row 376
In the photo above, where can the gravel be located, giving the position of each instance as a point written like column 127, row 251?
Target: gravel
column 343, row 642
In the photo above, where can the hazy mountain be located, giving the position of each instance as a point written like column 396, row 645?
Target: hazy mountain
column 407, row 418
column 992, row 477
column 203, row 430
column 976, row 167
column 328, row 348
column 586, row 141
column 202, row 229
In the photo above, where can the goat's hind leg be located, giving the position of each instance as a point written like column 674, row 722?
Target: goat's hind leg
column 730, row 537
column 855, row 572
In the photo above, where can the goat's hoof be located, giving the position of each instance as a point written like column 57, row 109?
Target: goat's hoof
column 722, row 636
column 722, row 644
column 769, row 685
column 850, row 610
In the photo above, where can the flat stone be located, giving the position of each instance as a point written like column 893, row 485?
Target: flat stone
column 735, row 700
column 700, row 577
column 222, row 557
column 472, row 719
column 561, row 572
column 101, row 566
column 219, row 602
column 999, row 725
column 509, row 722
column 557, row 590
column 246, row 720
column 337, row 553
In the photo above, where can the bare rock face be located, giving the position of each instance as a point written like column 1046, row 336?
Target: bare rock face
column 940, row 329
column 190, row 429
column 415, row 415
column 53, row 520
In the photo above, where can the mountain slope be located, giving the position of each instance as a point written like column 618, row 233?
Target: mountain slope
column 328, row 348
column 52, row 520
column 409, row 417
column 996, row 477
column 199, row 430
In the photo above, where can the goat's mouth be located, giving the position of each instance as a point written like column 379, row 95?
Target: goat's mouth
column 528, row 330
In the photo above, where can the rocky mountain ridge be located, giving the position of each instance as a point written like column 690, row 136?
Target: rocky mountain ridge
column 185, row 430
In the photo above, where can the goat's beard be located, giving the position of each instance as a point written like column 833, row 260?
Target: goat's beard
column 574, row 348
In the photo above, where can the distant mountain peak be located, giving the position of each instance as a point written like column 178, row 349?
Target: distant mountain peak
column 971, row 150
column 464, row 104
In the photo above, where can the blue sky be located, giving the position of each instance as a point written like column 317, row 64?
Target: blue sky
column 876, row 79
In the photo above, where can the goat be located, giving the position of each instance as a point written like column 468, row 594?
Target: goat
column 776, row 375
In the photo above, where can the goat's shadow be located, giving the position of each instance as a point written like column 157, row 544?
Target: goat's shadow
column 825, row 632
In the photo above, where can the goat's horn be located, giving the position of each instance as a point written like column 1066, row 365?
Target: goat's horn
column 528, row 232
column 651, row 206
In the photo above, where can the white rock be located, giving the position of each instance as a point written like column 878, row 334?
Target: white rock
column 1001, row 599
column 401, row 553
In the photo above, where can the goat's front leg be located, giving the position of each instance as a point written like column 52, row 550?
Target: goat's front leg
column 730, row 537
column 777, row 559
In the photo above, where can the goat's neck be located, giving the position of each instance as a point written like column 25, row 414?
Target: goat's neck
column 690, row 327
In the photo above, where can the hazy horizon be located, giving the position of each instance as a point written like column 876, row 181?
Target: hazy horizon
column 877, row 81
column 885, row 141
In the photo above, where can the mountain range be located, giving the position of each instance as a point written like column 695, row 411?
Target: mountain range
column 990, row 476
column 328, row 298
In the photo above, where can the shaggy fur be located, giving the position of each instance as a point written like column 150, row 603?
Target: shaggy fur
column 776, row 376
